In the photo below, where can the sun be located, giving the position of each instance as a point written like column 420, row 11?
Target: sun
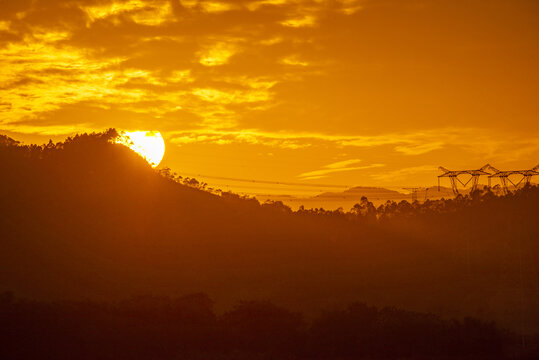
column 149, row 144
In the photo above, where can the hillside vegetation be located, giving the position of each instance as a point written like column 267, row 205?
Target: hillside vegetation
column 150, row 327
column 88, row 219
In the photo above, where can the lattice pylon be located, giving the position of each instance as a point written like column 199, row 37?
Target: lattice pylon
column 504, row 177
column 414, row 191
column 453, row 177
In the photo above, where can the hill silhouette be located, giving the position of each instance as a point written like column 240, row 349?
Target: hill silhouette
column 346, row 199
column 89, row 219
column 186, row 327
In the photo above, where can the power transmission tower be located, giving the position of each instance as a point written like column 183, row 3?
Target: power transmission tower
column 526, row 176
column 414, row 191
column 453, row 176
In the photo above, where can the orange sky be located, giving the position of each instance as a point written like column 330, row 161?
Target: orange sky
column 372, row 92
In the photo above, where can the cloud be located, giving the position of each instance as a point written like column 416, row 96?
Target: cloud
column 336, row 167
column 217, row 6
column 228, row 97
column 322, row 76
column 49, row 130
column 403, row 173
column 223, row 137
column 350, row 7
column 419, row 149
column 112, row 8
column 294, row 60
column 126, row 54
column 218, row 54
column 399, row 148
column 218, row 61
column 342, row 164
column 306, row 20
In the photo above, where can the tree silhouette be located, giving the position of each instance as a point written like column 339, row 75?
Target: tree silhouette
column 90, row 219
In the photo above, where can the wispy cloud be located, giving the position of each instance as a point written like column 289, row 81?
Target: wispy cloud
column 305, row 20
column 413, row 149
column 410, row 143
column 50, row 130
column 303, row 78
column 403, row 173
column 342, row 164
column 124, row 54
column 224, row 137
column 339, row 166
column 218, row 54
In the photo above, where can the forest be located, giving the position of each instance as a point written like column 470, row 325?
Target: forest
column 186, row 327
column 86, row 223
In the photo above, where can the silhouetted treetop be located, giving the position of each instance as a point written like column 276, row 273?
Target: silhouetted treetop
column 89, row 219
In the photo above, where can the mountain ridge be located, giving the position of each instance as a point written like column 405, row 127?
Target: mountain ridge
column 88, row 219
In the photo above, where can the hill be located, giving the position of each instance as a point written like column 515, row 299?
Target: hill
column 88, row 219
column 348, row 198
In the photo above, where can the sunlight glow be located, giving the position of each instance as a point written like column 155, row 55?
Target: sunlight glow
column 149, row 144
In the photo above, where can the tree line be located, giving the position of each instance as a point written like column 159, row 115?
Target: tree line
column 89, row 219
column 187, row 327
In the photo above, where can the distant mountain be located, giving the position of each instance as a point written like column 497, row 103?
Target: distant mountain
column 349, row 197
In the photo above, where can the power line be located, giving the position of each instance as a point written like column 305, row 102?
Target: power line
column 269, row 181
column 266, row 187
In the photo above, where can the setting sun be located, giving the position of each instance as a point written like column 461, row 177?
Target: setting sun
column 343, row 179
column 149, row 144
